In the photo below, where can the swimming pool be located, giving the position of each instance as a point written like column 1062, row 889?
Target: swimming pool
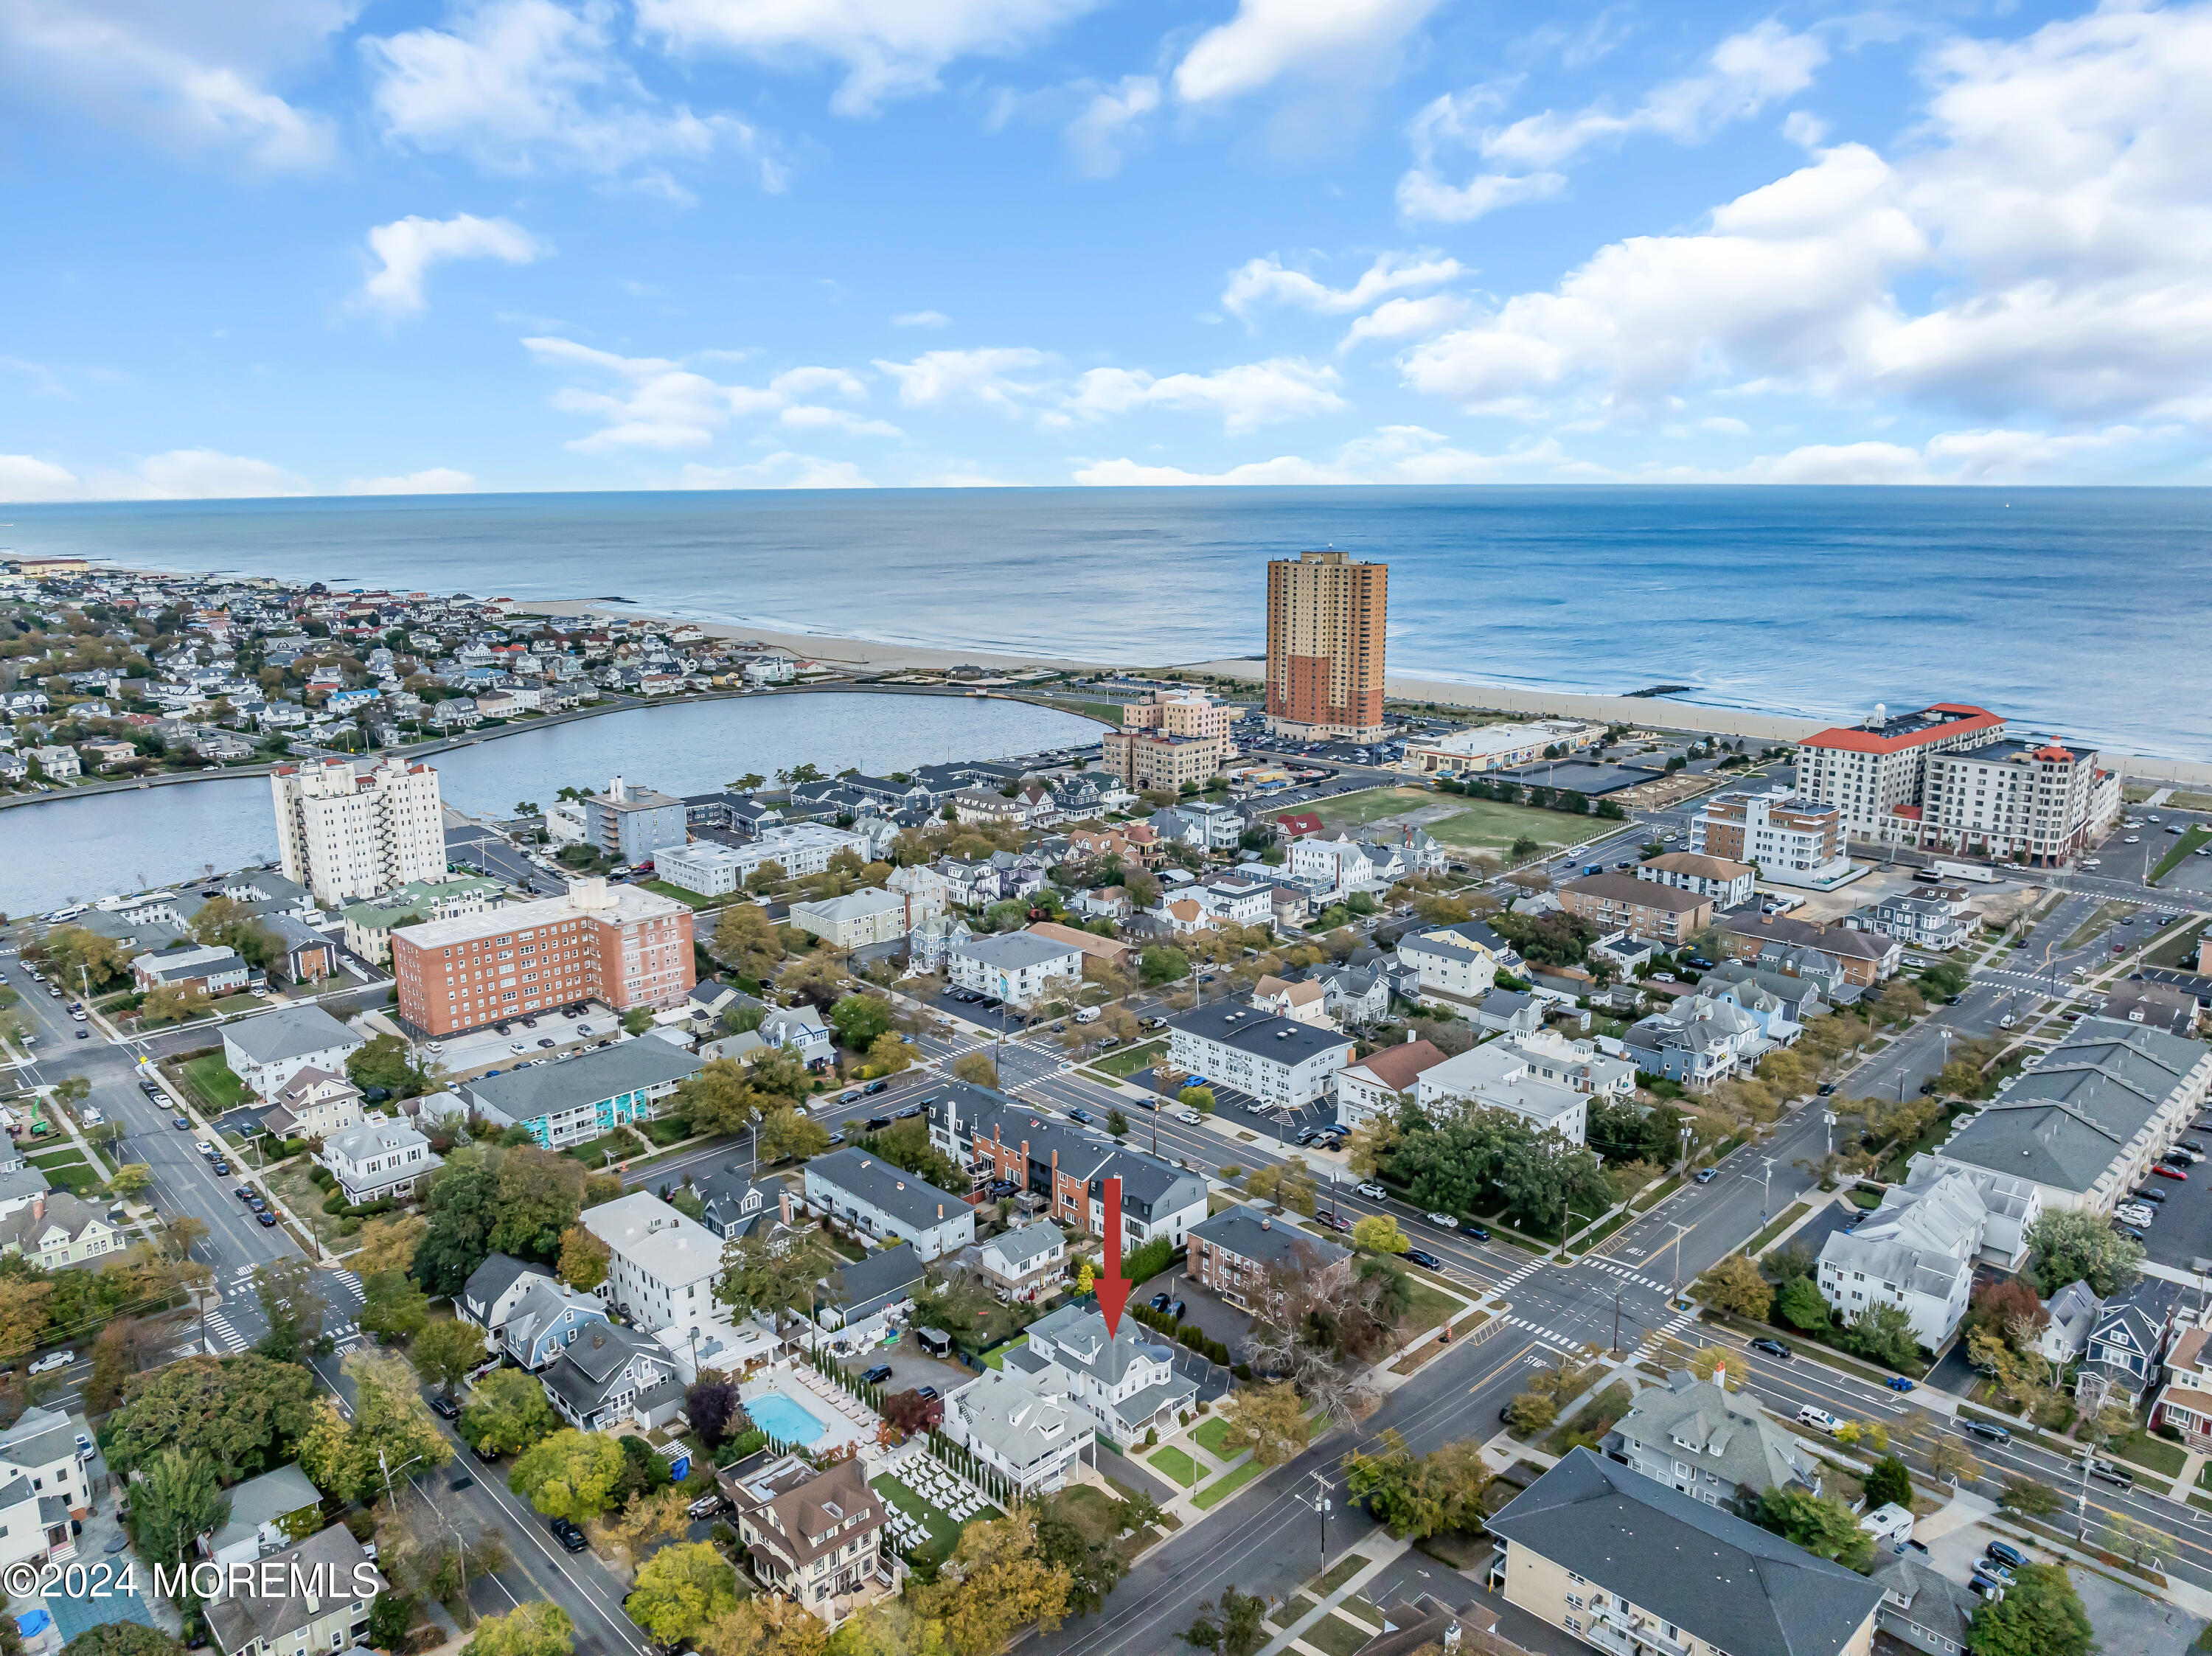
column 780, row 1417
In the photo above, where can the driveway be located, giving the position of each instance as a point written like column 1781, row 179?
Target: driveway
column 911, row 1370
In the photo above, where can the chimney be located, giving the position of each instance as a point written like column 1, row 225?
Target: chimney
column 1720, row 1375
column 38, row 1209
column 616, row 792
column 940, row 1209
column 1267, row 1224
column 783, row 1207
column 1409, row 1037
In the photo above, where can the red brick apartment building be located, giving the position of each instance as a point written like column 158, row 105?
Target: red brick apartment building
column 618, row 944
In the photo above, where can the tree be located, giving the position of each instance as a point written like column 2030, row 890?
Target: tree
column 1378, row 1233
column 584, row 1259
column 1527, row 1412
column 1440, row 1491
column 787, row 1134
column 1230, row 1626
column 388, row 1245
column 1889, row 1481
column 1268, row 1420
column 1093, row 1567
column 77, row 956
column 393, row 1306
column 111, row 1639
column 461, row 1203
column 1884, row 1333
column 125, row 1347
column 508, row 1413
column 386, row 1062
column 773, row 1627
column 888, row 1055
column 1800, row 1305
column 2076, row 1245
column 539, row 1195
column 444, row 1353
column 975, row 1070
column 680, row 1589
column 993, row 1583
column 661, row 1516
column 537, row 1628
column 1952, row 1462
column 293, row 1307
column 242, row 1414
column 1821, row 1524
column 2028, row 1498
column 1162, row 965
column 178, row 1004
column 391, row 1428
column 569, row 1475
column 176, row 1501
column 748, row 939
column 859, row 1019
column 718, row 1099
column 1733, row 1284
column 2040, row 1615
column 711, row 1405
column 775, row 1275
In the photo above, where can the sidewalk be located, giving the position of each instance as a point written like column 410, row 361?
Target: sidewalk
column 1380, row 1549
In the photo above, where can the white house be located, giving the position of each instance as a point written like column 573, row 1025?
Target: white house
column 854, row 920
column 1335, row 867
column 661, row 1264
column 378, row 1159
column 1373, row 1086
column 265, row 1051
column 1454, row 961
column 1018, row 967
column 1917, row 1250
column 1124, row 1381
column 887, row 1201
column 1278, row 1061
column 1022, row 1424
column 1025, row 1257
column 1499, row 1077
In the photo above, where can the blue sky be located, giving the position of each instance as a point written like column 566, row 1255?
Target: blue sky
column 319, row 247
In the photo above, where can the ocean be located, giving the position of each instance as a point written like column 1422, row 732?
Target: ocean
column 2071, row 610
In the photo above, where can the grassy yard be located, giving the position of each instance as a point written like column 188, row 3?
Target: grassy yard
column 2178, row 948
column 696, row 900
column 211, row 1079
column 1222, row 1488
column 304, row 1198
column 592, row 1153
column 1335, row 1636
column 1211, row 1435
column 1339, row 1573
column 943, row 1534
column 2182, row 846
column 1178, row 1468
column 2155, row 1453
column 996, row 1356
column 1486, row 825
column 67, row 1168
column 1430, row 1306
column 1359, row 809
column 1130, row 1059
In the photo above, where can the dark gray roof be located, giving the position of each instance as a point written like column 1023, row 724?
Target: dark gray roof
column 1932, row 1601
column 1729, row 1582
column 863, row 1280
column 498, row 1273
column 288, row 1032
column 1234, row 1023
column 586, row 1370
column 1251, row 1234
column 888, row 1188
column 566, row 1084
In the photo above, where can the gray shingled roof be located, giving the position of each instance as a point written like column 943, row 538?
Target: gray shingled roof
column 546, row 1089
column 1728, row 1436
column 1251, row 1234
column 1730, row 1583
column 887, row 1188
column 288, row 1032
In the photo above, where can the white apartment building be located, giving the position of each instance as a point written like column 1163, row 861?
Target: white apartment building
column 346, row 834
column 1333, row 867
column 378, row 1159
column 1498, row 1077
column 1917, row 1251
column 715, row 870
column 1872, row 772
column 2032, row 797
column 662, row 1265
column 1498, row 747
column 1017, row 967
column 1451, row 959
column 1790, row 841
column 1728, row 883
column 889, row 1203
column 1278, row 1061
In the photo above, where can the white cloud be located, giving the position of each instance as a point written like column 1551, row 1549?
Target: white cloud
column 25, row 477
column 1423, row 197
column 1407, row 318
column 1002, row 377
column 515, row 84
column 1268, row 39
column 1246, row 397
column 657, row 402
column 1746, row 74
column 783, row 470
column 888, row 48
column 187, row 76
column 437, row 480
column 1099, row 138
column 1265, row 281
column 922, row 319
column 197, row 474
column 1987, row 457
column 803, row 416
column 408, row 247
column 1395, row 454
column 2050, row 220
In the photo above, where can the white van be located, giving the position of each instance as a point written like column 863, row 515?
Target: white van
column 1891, row 1523
column 1819, row 1419
column 69, row 913
column 1086, row 1014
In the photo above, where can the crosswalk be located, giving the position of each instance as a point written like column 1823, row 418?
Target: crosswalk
column 1556, row 1341
column 222, row 1339
column 1659, row 1336
column 1528, row 1270
column 1630, row 1273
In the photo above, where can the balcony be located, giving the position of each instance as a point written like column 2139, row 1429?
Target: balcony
column 1631, row 1632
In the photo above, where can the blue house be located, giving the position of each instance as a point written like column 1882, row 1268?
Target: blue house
column 546, row 1319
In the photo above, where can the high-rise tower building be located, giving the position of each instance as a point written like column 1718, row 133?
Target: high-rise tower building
column 1325, row 622
column 346, row 834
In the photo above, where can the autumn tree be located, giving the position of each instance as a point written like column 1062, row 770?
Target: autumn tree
column 680, row 1590
column 993, row 1583
column 444, row 1353
column 975, row 1070
column 1419, row 1496
column 508, row 1412
column 785, row 1134
column 569, row 1475
column 1268, row 1420
column 584, row 1259
column 243, row 1415
column 1733, row 1284
column 762, row 1626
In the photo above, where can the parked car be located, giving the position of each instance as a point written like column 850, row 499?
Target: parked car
column 444, row 1407
column 52, row 1361
column 876, row 1087
column 877, row 1375
column 1082, row 1115
column 1988, row 1431
column 2164, row 1170
column 2006, row 1554
column 2146, row 1194
column 1423, row 1258
column 1704, row 1175
column 1371, row 1190
column 264, row 1215
column 1480, row 1233
column 1159, row 1301
column 1772, row 1349
column 2118, row 1476
column 1819, row 1419
column 568, row 1535
column 1175, row 1309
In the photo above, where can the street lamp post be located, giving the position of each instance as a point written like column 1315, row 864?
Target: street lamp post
column 1320, row 1505
column 1766, row 1195
column 1675, row 1293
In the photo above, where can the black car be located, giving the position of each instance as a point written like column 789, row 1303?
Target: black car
column 1988, row 1431
column 243, row 1193
column 924, row 1393
column 1159, row 1301
column 1423, row 1258
column 910, row 1111
column 875, row 1087
column 1772, row 1349
column 182, row 1123
column 1480, row 1233
column 875, row 1124
column 877, row 1375
column 264, row 1215
column 220, row 1166
column 446, row 1407
column 1826, row 1089
column 568, row 1535
column 1174, row 1308
column 2146, row 1194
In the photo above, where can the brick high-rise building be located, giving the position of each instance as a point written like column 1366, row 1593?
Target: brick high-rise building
column 612, row 943
column 1325, row 623
column 346, row 834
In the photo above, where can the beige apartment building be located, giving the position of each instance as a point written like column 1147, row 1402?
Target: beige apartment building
column 1178, row 712
column 1325, row 617
column 346, row 834
column 1145, row 759
column 2030, row 795
column 1643, row 908
column 1868, row 771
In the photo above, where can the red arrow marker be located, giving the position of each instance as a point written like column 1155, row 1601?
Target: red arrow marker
column 1113, row 1286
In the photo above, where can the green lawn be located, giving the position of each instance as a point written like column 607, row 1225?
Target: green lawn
column 211, row 1078
column 1486, row 825
column 2182, row 846
column 76, row 1178
column 943, row 1534
column 696, row 900
column 1222, row 1488
column 1130, row 1059
column 1178, row 1468
column 1335, row 1636
column 1358, row 809
column 996, row 1356
column 60, row 1157
column 1339, row 1573
column 1430, row 1306
column 1210, row 1436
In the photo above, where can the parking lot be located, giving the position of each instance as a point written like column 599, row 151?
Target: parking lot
column 514, row 1041
column 2182, row 1233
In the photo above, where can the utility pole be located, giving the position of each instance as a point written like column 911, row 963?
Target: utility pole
column 1320, row 1505
column 1766, row 1196
column 1680, row 1231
